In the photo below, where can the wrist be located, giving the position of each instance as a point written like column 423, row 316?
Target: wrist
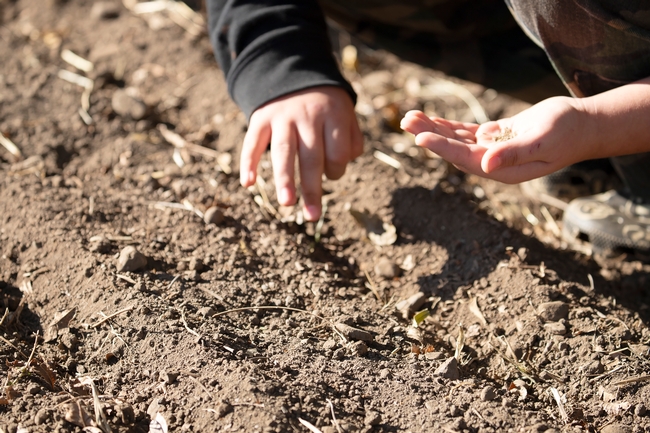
column 588, row 126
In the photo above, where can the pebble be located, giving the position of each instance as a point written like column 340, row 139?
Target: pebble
column 386, row 269
column 616, row 428
column 224, row 408
column 168, row 377
column 432, row 356
column 42, row 416
column 131, row 260
column 213, row 215
column 33, row 389
column 353, row 333
column 196, row 264
column 128, row 106
column 329, row 344
column 488, row 393
column 359, row 348
column 555, row 328
column 372, row 418
column 126, row 413
column 640, row 410
column 553, row 311
column 448, row 369
column 384, row 373
column 409, row 306
column 206, row 312
column 105, row 10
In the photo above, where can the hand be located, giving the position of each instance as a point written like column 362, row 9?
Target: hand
column 543, row 139
column 319, row 126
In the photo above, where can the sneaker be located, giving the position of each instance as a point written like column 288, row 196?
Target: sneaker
column 611, row 222
column 577, row 180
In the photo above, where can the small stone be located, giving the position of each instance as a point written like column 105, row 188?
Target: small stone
column 42, row 416
column 196, row 264
column 448, row 369
column 126, row 413
column 553, row 311
column 131, row 260
column 386, row 269
column 409, row 306
column 616, row 428
column 488, row 393
column 593, row 367
column 433, row 356
column 168, row 377
column 128, row 106
column 359, row 348
column 384, row 373
column 223, row 409
column 213, row 215
column 640, row 410
column 339, row 354
column 329, row 344
column 372, row 418
column 206, row 312
column 33, row 389
column 454, row 411
column 353, row 333
column 104, row 10
column 555, row 328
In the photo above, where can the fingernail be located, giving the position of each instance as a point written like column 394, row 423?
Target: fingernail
column 493, row 164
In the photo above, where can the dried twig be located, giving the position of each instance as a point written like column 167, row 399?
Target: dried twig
column 179, row 142
column 336, row 423
column 109, row 317
column 100, row 418
column 196, row 334
column 77, row 79
column 632, row 380
column 309, row 425
column 560, row 405
column 386, row 159
column 267, row 307
column 77, row 61
column 10, row 146
column 373, row 286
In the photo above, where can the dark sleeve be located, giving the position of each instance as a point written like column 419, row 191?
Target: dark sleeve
column 268, row 49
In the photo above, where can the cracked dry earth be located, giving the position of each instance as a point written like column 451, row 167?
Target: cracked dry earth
column 132, row 288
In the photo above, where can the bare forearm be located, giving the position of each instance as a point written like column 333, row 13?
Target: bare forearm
column 617, row 121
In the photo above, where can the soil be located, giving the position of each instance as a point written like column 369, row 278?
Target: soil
column 257, row 321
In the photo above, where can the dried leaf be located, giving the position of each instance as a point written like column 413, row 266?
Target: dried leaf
column 158, row 424
column 11, row 393
column 61, row 321
column 616, row 409
column 475, row 310
column 77, row 415
column 414, row 334
column 44, row 370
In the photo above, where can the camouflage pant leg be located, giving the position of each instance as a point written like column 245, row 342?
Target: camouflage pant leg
column 595, row 47
column 476, row 40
